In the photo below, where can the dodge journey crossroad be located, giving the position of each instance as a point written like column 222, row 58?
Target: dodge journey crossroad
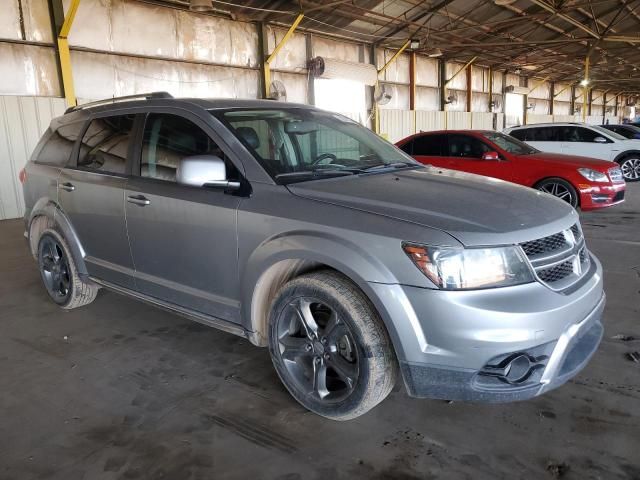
column 306, row 233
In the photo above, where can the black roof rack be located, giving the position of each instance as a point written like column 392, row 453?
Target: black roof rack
column 106, row 101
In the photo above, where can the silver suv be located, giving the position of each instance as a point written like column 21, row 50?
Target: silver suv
column 303, row 231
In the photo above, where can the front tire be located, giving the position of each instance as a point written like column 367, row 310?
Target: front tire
column 630, row 167
column 561, row 189
column 59, row 273
column 330, row 347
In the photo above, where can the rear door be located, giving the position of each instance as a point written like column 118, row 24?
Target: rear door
column 430, row 149
column 546, row 139
column 183, row 238
column 91, row 194
column 465, row 154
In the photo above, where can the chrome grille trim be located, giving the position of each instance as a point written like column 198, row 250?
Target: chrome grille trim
column 559, row 260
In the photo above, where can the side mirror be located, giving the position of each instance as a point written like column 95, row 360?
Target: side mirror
column 600, row 140
column 204, row 171
column 491, row 156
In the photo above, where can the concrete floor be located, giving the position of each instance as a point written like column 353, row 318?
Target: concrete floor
column 120, row 389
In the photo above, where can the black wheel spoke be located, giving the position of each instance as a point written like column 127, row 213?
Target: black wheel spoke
column 348, row 372
column 47, row 263
column 303, row 311
column 54, row 269
column 295, row 347
column 320, row 378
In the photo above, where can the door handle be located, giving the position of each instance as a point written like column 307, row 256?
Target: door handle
column 138, row 200
column 69, row 187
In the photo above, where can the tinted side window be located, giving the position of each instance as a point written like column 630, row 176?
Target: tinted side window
column 105, row 144
column 167, row 140
column 520, row 134
column 429, row 145
column 407, row 147
column 56, row 145
column 587, row 135
column 466, row 146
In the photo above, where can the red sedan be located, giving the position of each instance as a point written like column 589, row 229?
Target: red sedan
column 583, row 182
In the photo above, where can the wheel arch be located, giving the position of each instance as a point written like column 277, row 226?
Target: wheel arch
column 555, row 177
column 625, row 154
column 271, row 266
column 45, row 214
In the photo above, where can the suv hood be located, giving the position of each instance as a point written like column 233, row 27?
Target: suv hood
column 475, row 210
column 572, row 160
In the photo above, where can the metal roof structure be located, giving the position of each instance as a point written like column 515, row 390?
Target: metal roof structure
column 538, row 38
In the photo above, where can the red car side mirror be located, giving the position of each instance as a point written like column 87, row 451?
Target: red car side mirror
column 491, row 156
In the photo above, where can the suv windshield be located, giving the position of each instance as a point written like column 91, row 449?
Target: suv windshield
column 299, row 144
column 509, row 144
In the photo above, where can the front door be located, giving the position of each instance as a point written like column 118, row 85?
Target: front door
column 465, row 154
column 582, row 141
column 183, row 238
column 91, row 194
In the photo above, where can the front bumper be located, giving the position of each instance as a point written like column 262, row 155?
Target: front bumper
column 601, row 196
column 495, row 345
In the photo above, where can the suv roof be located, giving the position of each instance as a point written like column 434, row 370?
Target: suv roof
column 167, row 98
column 550, row 124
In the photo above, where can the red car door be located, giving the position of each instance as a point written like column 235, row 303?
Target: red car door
column 470, row 154
column 429, row 149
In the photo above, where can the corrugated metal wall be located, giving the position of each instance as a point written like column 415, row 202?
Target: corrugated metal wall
column 22, row 122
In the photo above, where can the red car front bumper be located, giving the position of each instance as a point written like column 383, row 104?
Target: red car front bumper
column 601, row 196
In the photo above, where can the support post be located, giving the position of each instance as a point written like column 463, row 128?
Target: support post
column 525, row 103
column 585, row 88
column 412, row 81
column 572, row 105
column 490, row 88
column 469, row 95
column 62, row 26
column 442, row 77
column 311, row 90
column 272, row 56
column 552, row 88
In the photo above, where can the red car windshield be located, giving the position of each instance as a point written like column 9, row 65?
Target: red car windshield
column 509, row 144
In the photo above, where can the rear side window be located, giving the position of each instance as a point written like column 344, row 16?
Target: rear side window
column 105, row 144
column 429, row 146
column 55, row 146
column 407, row 147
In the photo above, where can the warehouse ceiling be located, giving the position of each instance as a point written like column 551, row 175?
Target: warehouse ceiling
column 539, row 38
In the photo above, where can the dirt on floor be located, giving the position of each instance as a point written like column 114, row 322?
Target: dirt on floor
column 121, row 390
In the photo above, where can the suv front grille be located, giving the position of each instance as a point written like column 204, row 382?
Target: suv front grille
column 559, row 260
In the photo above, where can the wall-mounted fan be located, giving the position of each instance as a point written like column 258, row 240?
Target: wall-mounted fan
column 277, row 91
column 382, row 94
column 452, row 99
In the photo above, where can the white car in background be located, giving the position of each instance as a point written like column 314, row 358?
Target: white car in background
column 584, row 140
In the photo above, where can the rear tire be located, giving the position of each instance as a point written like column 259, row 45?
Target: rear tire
column 59, row 273
column 561, row 189
column 330, row 347
column 630, row 167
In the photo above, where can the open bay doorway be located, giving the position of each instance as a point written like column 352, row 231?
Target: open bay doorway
column 342, row 96
column 513, row 110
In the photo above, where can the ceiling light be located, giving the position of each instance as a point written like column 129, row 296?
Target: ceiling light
column 517, row 71
column 584, row 82
column 504, row 2
column 436, row 52
column 200, row 6
column 413, row 43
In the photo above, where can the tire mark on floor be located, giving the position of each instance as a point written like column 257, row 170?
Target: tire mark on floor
column 257, row 434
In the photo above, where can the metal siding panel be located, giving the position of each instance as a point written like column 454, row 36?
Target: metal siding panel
column 22, row 122
column 458, row 120
column 429, row 121
column 396, row 124
column 482, row 121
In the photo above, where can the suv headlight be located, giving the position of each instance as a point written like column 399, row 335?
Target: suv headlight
column 593, row 175
column 471, row 268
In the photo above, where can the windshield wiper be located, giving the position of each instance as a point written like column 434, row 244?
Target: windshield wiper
column 318, row 172
column 394, row 165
